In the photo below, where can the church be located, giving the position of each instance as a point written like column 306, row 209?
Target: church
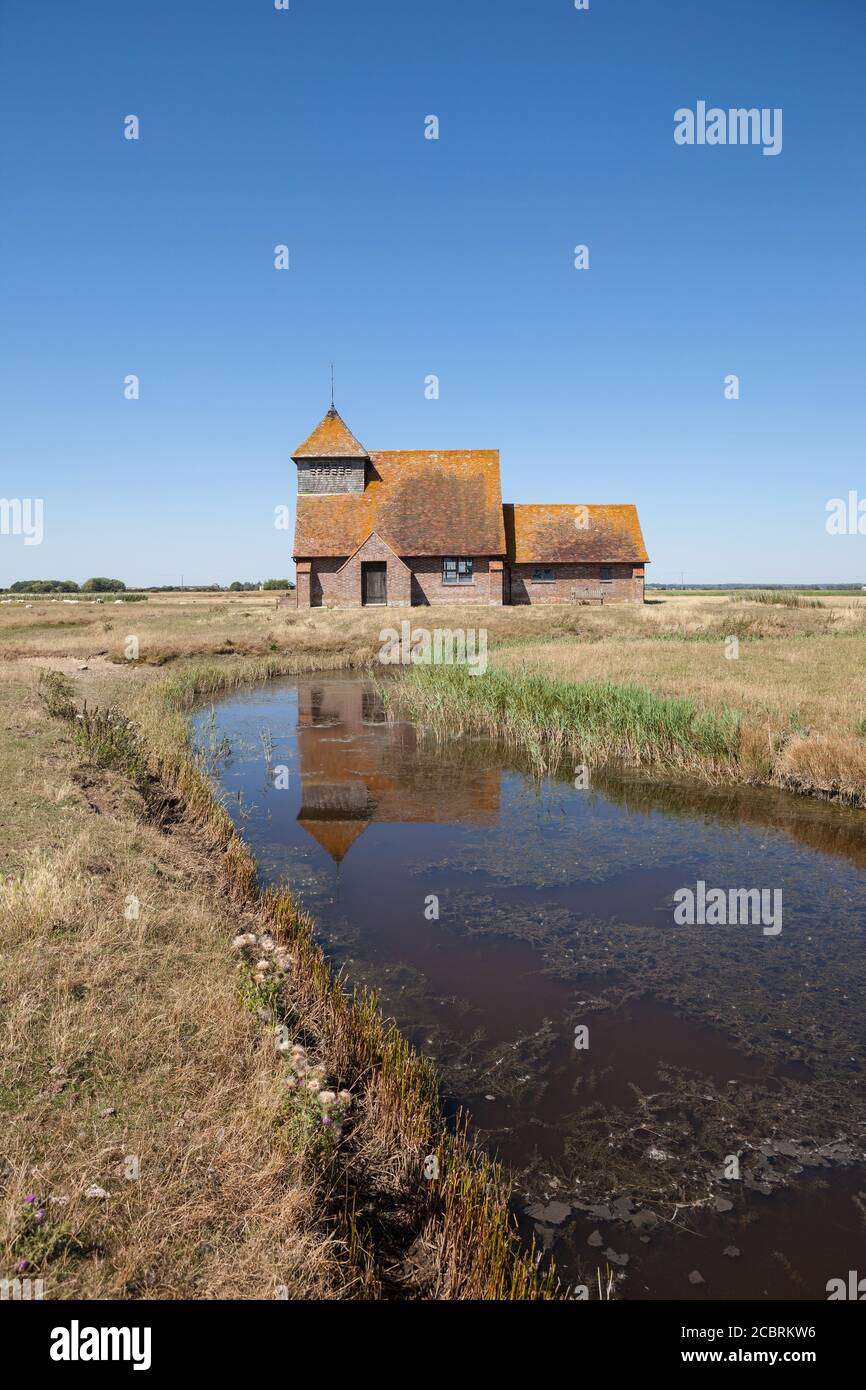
column 401, row 527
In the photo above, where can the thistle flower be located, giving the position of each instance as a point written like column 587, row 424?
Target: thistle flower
column 326, row 1097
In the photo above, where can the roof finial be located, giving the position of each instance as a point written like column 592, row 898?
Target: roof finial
column 333, row 407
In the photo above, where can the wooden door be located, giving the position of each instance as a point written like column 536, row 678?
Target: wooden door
column 373, row 582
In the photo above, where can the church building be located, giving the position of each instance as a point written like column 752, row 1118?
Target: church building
column 398, row 527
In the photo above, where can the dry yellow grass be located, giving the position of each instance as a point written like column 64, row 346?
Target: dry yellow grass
column 148, row 1041
column 796, row 680
column 126, row 1040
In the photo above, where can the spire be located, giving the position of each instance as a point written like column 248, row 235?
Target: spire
column 336, row 837
column 331, row 439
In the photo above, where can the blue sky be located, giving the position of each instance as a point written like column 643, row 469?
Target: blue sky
column 411, row 257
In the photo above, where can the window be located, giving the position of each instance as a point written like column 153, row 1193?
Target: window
column 605, row 571
column 542, row 576
column 456, row 571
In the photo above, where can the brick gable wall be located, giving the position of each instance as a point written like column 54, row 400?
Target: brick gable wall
column 336, row 583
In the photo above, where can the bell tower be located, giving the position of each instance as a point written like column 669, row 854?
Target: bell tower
column 331, row 460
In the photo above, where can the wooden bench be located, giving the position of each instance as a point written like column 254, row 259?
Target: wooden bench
column 587, row 593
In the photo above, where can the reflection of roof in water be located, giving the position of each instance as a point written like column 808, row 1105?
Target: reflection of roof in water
column 335, row 814
column 335, row 836
column 355, row 769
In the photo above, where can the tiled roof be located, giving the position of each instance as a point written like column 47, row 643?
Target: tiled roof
column 331, row 439
column 551, row 534
column 421, row 502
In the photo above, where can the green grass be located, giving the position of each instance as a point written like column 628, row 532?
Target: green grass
column 779, row 596
column 596, row 720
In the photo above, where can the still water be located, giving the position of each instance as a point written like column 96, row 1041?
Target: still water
column 680, row 1105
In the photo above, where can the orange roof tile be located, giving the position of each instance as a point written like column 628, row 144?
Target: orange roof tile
column 421, row 502
column 331, row 439
column 550, row 534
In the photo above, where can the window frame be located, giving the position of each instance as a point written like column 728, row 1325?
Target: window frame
column 458, row 575
column 543, row 574
column 605, row 574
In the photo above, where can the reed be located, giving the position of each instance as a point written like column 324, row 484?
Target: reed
column 190, row 683
column 596, row 721
column 783, row 597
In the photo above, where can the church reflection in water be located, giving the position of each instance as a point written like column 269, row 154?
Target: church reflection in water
column 356, row 769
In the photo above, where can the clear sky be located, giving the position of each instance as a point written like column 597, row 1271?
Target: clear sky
column 411, row 257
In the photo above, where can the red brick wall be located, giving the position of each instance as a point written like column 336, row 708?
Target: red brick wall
column 624, row 586
column 302, row 582
column 332, row 583
column 336, row 583
column 427, row 585
column 325, row 591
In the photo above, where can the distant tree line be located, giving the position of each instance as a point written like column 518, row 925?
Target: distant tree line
column 101, row 585
column 98, row 585
column 240, row 584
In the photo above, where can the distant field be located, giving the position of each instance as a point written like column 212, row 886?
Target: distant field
column 855, row 591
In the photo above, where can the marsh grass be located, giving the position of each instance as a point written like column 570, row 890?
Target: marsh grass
column 796, row 685
column 56, row 692
column 782, row 597
column 105, row 738
column 108, row 738
column 598, row 721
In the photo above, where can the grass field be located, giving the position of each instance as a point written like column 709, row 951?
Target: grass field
column 124, row 1040
column 152, row 1039
column 157, row 1143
